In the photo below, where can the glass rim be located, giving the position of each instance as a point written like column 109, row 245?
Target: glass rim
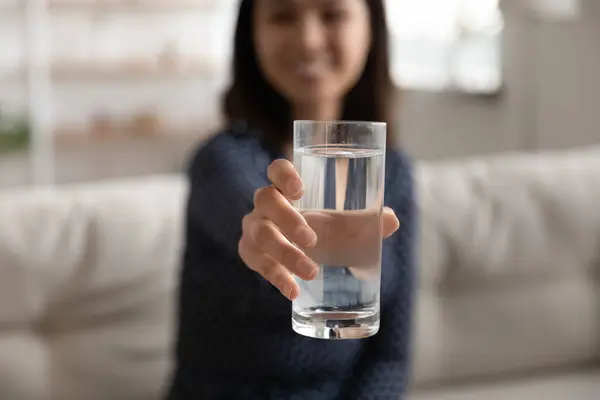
column 340, row 122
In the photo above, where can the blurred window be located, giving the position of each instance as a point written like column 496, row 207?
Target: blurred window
column 446, row 44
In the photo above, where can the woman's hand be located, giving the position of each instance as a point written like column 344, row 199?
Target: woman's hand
column 275, row 233
column 268, row 232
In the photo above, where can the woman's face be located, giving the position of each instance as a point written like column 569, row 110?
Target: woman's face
column 312, row 50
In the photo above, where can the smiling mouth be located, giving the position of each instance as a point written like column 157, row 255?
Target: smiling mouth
column 312, row 70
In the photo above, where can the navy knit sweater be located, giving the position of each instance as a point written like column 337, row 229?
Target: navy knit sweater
column 235, row 339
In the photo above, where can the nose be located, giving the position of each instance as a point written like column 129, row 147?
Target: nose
column 311, row 35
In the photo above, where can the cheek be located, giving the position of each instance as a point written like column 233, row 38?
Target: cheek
column 352, row 51
column 269, row 51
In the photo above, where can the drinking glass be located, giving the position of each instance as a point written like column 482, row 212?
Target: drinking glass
column 342, row 165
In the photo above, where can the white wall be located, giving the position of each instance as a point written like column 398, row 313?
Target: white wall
column 448, row 125
column 550, row 99
column 568, row 60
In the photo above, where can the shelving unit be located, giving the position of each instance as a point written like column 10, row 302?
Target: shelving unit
column 161, row 62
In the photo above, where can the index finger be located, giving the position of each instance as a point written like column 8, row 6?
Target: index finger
column 283, row 175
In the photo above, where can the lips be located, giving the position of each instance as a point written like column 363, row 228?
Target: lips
column 313, row 69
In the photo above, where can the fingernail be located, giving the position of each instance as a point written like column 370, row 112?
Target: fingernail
column 305, row 237
column 294, row 187
column 287, row 291
column 307, row 268
column 285, row 288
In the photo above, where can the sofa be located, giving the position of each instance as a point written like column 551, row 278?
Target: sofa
column 508, row 299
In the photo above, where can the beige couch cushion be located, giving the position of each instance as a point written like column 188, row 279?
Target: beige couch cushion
column 508, row 247
column 510, row 217
column 87, row 279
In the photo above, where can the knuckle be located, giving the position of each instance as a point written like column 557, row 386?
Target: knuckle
column 262, row 234
column 244, row 253
column 272, row 273
column 263, row 195
column 258, row 195
column 246, row 223
column 272, row 170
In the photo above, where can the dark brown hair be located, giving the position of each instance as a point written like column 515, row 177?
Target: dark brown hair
column 252, row 99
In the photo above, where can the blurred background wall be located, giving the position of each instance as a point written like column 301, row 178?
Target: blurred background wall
column 111, row 88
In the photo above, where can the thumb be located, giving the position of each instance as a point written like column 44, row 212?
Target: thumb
column 390, row 222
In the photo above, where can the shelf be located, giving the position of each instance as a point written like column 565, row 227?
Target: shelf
column 149, row 130
column 82, row 137
column 132, row 72
column 126, row 71
column 121, row 5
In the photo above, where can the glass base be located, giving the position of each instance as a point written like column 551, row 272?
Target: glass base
column 320, row 324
